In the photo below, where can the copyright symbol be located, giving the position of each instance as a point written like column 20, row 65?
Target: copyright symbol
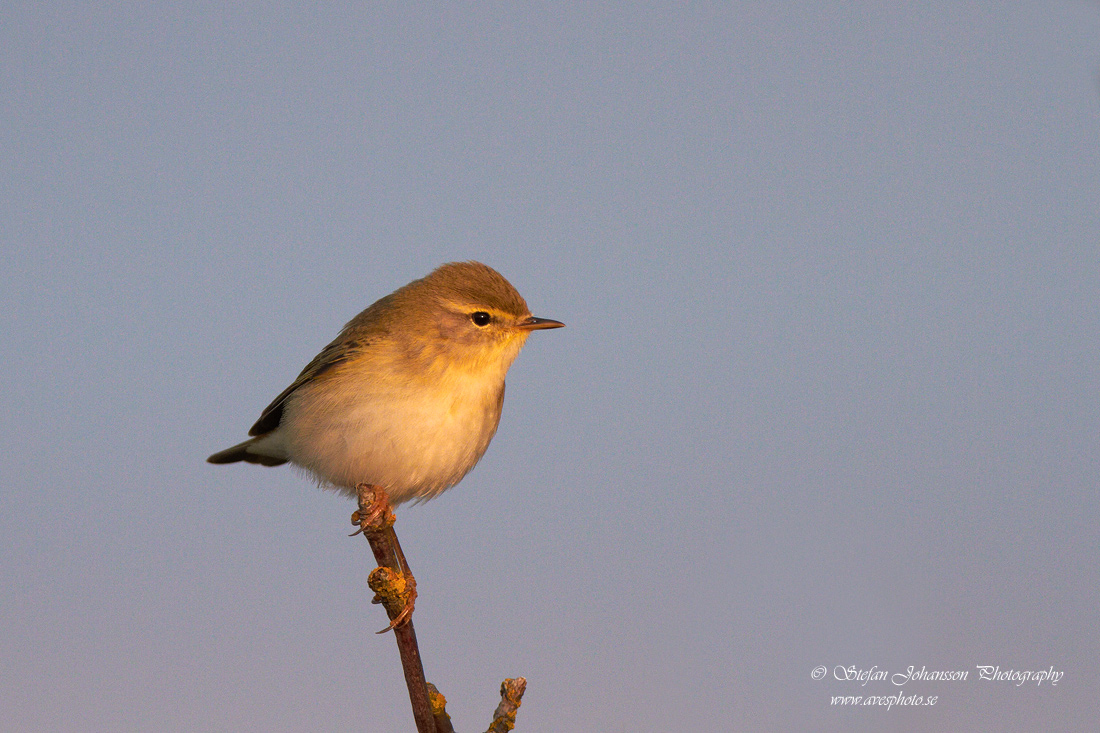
column 818, row 673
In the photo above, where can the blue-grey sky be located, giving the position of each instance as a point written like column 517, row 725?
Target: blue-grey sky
column 829, row 393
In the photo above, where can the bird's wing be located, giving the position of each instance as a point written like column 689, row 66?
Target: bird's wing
column 332, row 355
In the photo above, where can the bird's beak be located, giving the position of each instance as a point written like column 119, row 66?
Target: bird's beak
column 537, row 324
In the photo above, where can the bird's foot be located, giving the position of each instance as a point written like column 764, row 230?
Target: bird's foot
column 374, row 513
column 397, row 594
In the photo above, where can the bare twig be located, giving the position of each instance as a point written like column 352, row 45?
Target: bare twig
column 395, row 588
column 439, row 710
column 511, row 695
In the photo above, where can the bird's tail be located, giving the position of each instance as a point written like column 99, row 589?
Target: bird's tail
column 250, row 451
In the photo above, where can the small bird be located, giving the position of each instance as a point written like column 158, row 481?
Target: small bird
column 409, row 394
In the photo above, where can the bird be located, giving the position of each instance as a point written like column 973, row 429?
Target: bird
column 408, row 395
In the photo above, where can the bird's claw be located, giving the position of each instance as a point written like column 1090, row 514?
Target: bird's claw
column 406, row 613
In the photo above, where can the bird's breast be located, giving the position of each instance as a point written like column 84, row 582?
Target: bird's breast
column 414, row 439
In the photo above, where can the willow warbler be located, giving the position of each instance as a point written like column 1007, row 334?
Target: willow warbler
column 409, row 394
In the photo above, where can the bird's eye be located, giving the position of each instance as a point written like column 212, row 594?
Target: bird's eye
column 480, row 318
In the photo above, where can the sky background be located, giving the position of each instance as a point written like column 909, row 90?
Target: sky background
column 829, row 394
